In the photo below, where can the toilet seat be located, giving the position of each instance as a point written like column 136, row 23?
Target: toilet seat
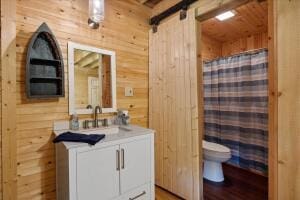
column 210, row 146
column 215, row 152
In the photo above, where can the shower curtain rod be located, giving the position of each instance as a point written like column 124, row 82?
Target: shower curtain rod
column 237, row 54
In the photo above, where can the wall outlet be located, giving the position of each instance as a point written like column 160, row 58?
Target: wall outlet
column 128, row 92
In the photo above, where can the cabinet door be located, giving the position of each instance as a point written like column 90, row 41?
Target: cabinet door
column 98, row 176
column 135, row 164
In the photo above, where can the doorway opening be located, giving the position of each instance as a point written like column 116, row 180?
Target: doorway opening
column 235, row 62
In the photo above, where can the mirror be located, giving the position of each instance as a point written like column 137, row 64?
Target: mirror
column 92, row 79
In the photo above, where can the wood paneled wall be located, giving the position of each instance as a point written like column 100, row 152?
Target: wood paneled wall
column 239, row 45
column 163, row 5
column 288, row 52
column 125, row 30
column 173, row 106
column 273, row 102
column 212, row 49
column 106, row 82
column 8, row 100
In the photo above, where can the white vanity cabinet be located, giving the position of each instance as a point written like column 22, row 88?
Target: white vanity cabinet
column 96, row 173
column 119, row 167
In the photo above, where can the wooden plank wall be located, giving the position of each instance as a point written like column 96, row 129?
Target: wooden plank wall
column 8, row 100
column 125, row 31
column 212, row 48
column 273, row 101
column 288, row 51
column 106, row 80
column 1, row 193
column 163, row 5
column 202, row 6
column 173, row 106
column 242, row 44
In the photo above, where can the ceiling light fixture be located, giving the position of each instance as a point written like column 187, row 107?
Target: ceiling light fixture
column 96, row 13
column 225, row 15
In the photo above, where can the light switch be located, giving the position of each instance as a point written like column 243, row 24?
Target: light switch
column 128, row 91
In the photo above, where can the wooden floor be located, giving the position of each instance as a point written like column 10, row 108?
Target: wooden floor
column 161, row 194
column 238, row 185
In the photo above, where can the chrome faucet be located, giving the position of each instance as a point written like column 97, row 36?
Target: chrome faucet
column 95, row 121
column 97, row 108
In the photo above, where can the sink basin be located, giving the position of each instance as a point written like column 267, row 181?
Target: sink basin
column 107, row 130
column 124, row 128
column 102, row 130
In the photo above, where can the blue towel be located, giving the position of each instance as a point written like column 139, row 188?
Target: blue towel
column 77, row 137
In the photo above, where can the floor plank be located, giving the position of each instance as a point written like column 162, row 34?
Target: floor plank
column 239, row 184
column 161, row 194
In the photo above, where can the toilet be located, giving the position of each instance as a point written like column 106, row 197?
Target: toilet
column 214, row 155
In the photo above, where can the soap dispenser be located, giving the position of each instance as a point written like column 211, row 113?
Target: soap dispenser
column 74, row 122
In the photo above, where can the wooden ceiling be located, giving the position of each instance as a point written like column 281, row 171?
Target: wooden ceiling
column 250, row 19
column 150, row 3
column 86, row 59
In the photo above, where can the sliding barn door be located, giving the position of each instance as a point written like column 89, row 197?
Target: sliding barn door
column 173, row 106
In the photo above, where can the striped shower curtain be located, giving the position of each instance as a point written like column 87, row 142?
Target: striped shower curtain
column 236, row 107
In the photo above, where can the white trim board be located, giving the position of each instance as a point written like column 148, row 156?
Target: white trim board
column 112, row 54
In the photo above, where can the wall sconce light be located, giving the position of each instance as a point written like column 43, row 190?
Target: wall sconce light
column 96, row 13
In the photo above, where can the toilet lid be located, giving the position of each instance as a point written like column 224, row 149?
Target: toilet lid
column 215, row 147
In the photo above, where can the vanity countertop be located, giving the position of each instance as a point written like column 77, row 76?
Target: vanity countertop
column 124, row 132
